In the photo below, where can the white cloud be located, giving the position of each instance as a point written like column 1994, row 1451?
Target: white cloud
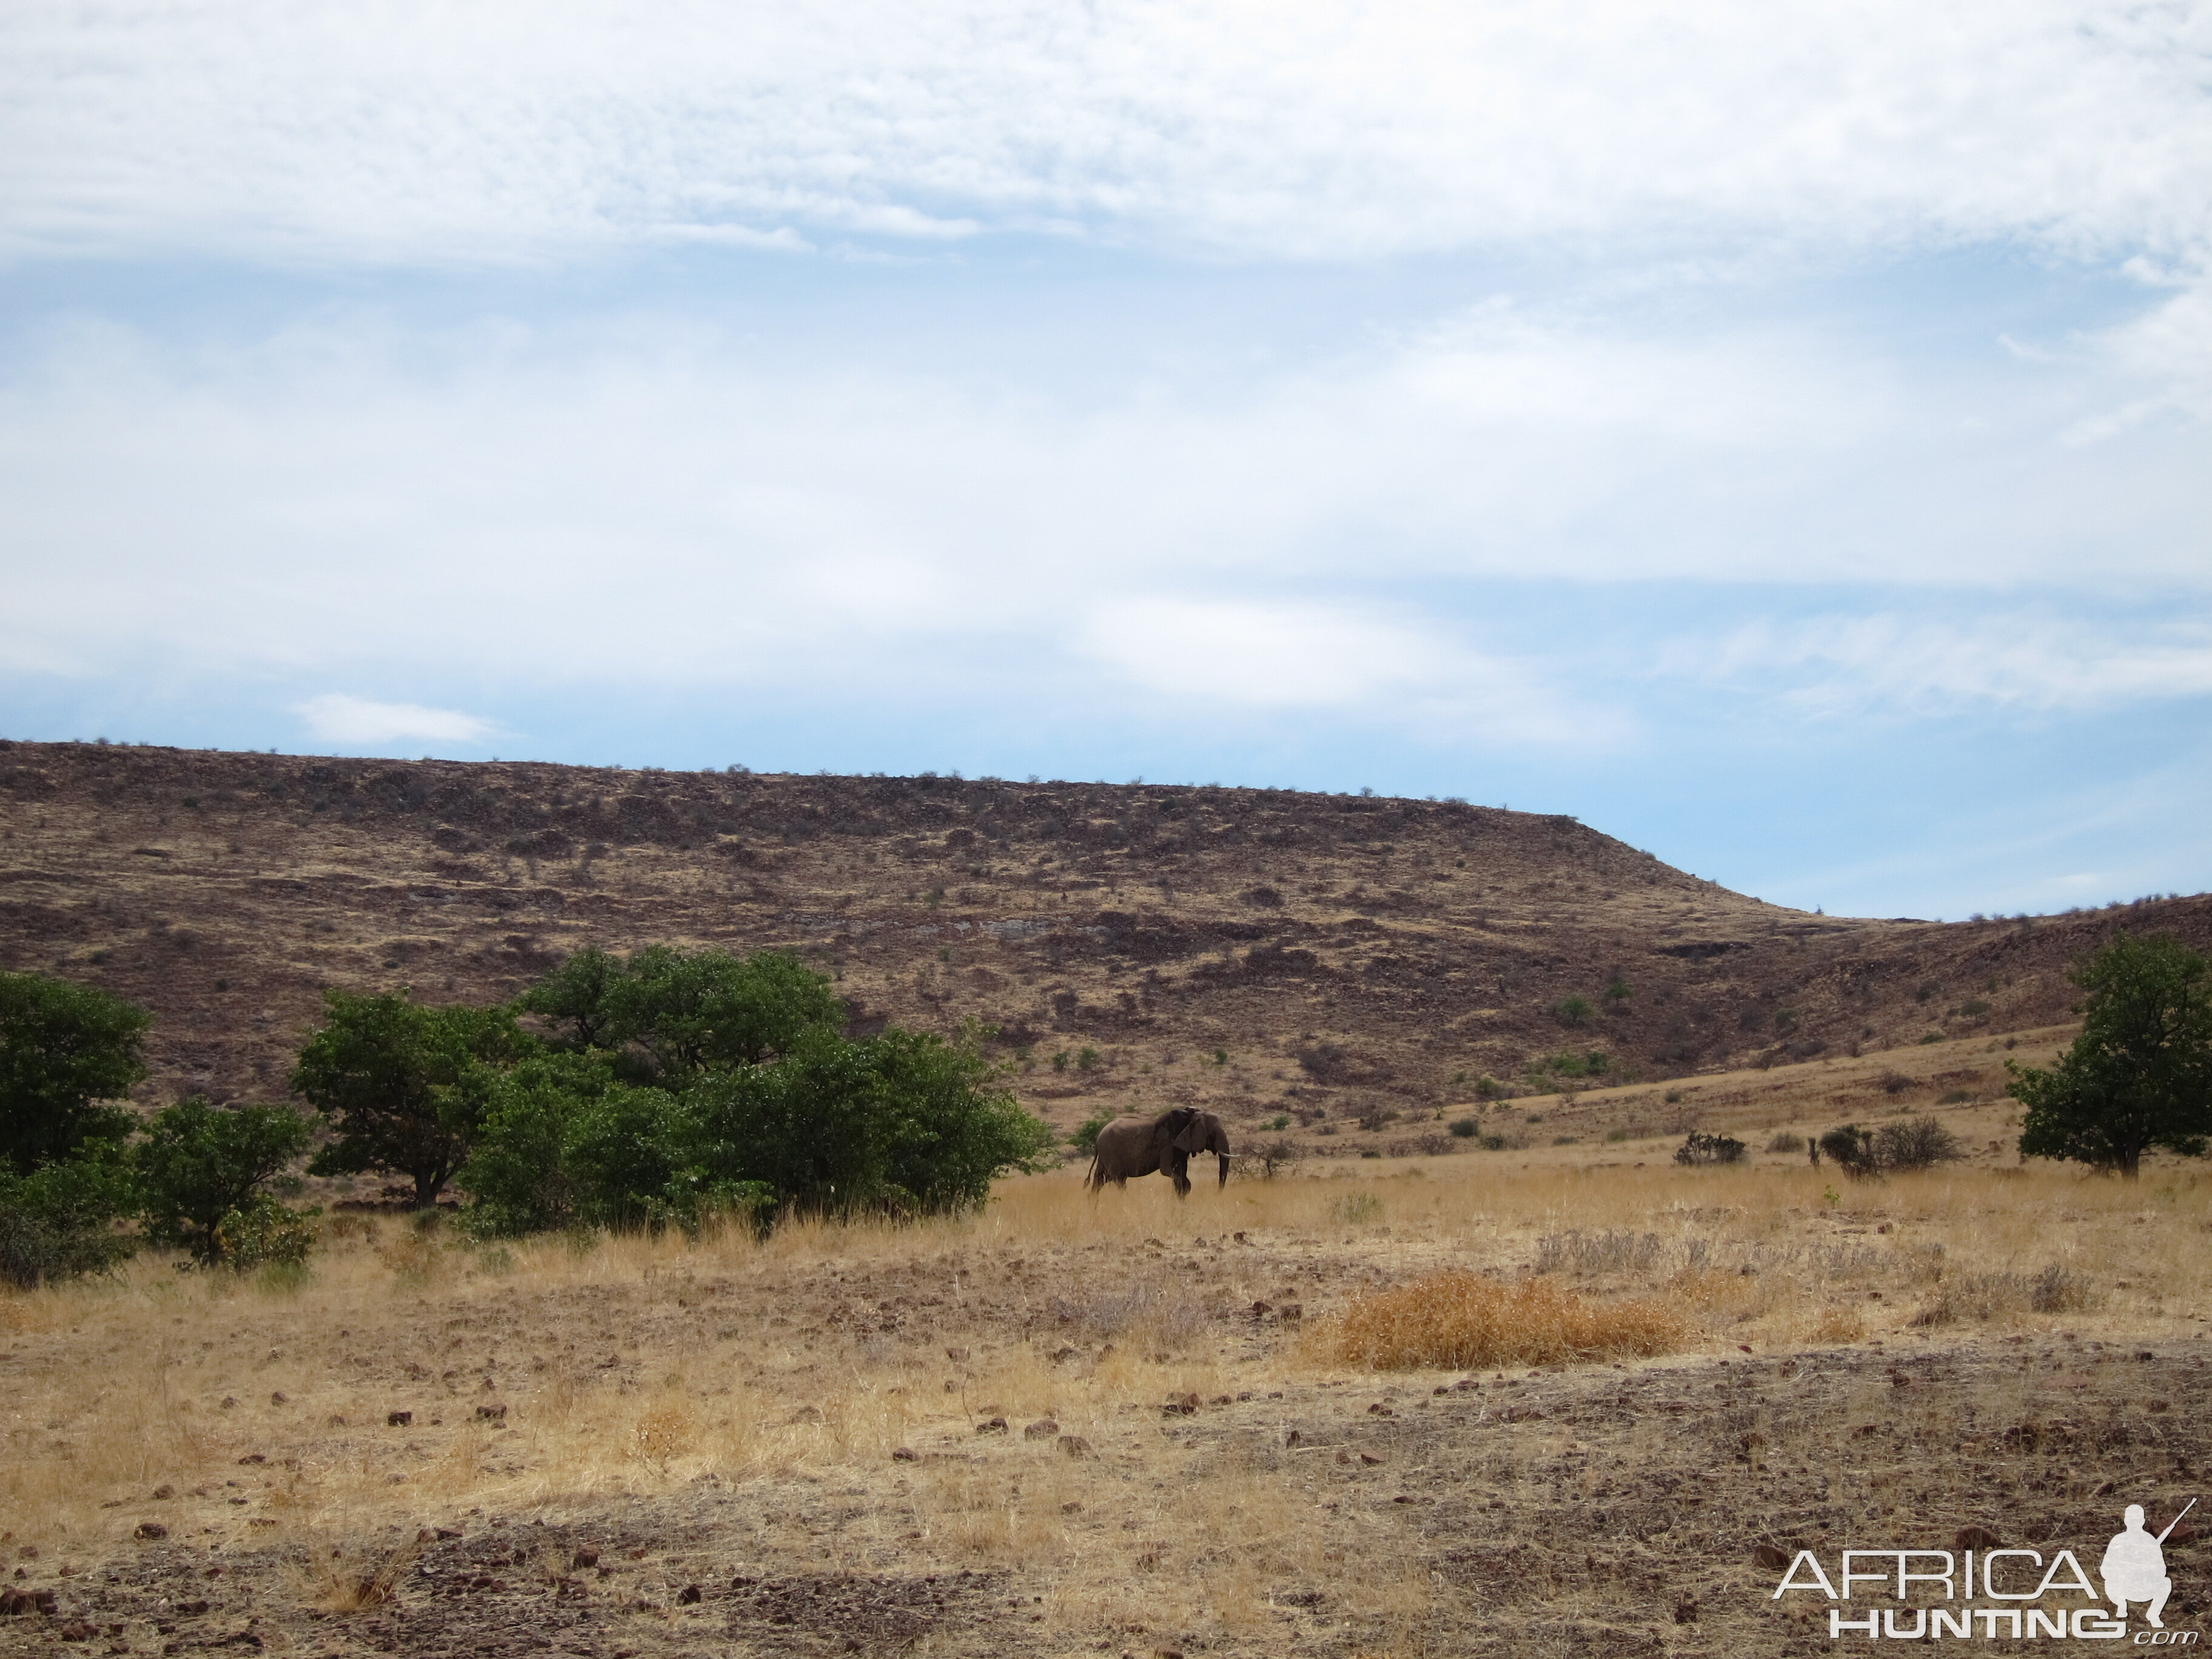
column 1336, row 659
column 337, row 718
column 412, row 130
column 1839, row 664
column 662, row 506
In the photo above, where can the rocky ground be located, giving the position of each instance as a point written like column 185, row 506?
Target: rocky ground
column 1280, row 1506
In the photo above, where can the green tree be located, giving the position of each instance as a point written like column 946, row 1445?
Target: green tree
column 201, row 1166
column 2140, row 1074
column 404, row 1086
column 58, row 1221
column 679, row 1013
column 64, row 1049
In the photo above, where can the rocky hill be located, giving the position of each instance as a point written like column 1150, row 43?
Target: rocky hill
column 1275, row 953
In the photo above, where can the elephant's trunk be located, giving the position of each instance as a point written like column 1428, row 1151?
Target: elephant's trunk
column 1223, row 1182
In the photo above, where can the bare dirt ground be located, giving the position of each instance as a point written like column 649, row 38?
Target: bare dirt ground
column 1110, row 1426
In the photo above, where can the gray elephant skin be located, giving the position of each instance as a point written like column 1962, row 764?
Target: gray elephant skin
column 1147, row 1145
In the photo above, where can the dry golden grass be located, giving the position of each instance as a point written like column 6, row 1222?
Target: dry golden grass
column 1464, row 1321
column 651, row 1370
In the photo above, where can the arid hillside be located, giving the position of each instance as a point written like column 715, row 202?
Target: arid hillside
column 1322, row 956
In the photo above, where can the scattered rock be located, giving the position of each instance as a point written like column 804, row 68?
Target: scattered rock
column 906, row 1454
column 1180, row 1405
column 585, row 1557
column 398, row 1420
column 1074, row 1445
column 1977, row 1538
column 150, row 1530
column 991, row 1425
column 1043, row 1428
column 165, row 1490
column 277, row 1397
column 1686, row 1612
column 253, row 1458
column 1769, row 1556
column 689, row 1596
column 958, row 1356
column 1370, row 1459
column 492, row 1413
column 1292, row 1437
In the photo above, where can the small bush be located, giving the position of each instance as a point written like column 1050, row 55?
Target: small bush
column 1850, row 1148
column 1572, row 1011
column 1086, row 1060
column 1465, row 1128
column 1608, row 1252
column 1917, row 1142
column 1952, row 1098
column 59, row 1221
column 1280, row 1121
column 1275, row 1157
column 264, row 1233
column 1085, row 1139
column 1356, row 1209
column 1986, row 1296
column 1786, row 1142
column 1701, row 1148
column 1463, row 1321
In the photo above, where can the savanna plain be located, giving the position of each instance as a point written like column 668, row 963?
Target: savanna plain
column 1128, row 1425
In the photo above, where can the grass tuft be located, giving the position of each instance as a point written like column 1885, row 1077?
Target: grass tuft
column 1462, row 1320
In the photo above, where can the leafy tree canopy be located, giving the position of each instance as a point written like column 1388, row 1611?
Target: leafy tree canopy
column 64, row 1049
column 2140, row 1075
column 676, row 1013
column 202, row 1166
column 404, row 1086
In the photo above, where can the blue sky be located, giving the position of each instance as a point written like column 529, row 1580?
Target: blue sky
column 1778, row 436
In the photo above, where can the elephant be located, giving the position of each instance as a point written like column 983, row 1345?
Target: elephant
column 1147, row 1145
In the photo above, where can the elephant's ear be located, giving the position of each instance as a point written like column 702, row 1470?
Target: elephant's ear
column 1192, row 1137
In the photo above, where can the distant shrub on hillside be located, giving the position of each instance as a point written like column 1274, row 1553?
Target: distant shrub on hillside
column 1917, row 1142
column 1701, row 1148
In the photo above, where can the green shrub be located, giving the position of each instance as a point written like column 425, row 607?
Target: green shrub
column 1572, row 1010
column 59, row 1221
column 1701, row 1148
column 1085, row 1139
column 261, row 1233
column 202, row 1170
column 1851, row 1148
column 1465, row 1128
column 64, row 1049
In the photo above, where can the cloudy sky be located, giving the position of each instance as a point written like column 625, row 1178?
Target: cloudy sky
column 1780, row 436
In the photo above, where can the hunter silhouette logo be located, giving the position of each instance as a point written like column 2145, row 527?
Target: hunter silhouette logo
column 2017, row 1581
column 2133, row 1568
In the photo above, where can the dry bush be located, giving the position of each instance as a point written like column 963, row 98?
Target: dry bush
column 1920, row 1143
column 1999, row 1296
column 1462, row 1320
column 1608, row 1252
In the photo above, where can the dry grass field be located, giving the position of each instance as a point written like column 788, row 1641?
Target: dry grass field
column 1122, row 1424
